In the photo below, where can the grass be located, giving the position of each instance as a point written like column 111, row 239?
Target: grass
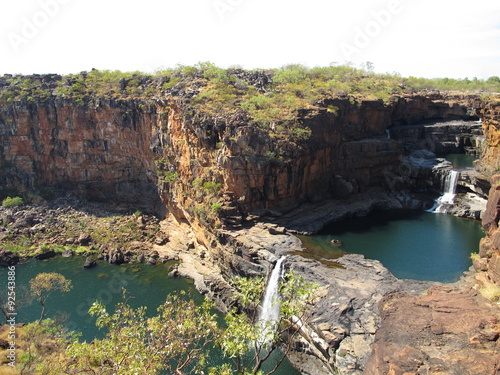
column 491, row 292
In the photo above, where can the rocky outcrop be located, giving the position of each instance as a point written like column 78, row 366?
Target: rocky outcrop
column 346, row 318
column 489, row 263
column 490, row 114
column 102, row 149
column 426, row 171
column 8, row 258
column 441, row 137
column 448, row 330
column 490, row 245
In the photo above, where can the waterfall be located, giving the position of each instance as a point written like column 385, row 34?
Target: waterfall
column 450, row 185
column 270, row 312
column 388, row 132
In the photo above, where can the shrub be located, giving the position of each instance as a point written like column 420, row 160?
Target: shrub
column 215, row 207
column 12, row 202
column 211, row 187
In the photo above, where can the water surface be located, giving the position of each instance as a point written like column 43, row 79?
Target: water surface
column 461, row 161
column 411, row 244
column 146, row 286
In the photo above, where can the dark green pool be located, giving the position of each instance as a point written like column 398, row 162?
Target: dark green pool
column 461, row 161
column 146, row 285
column 411, row 244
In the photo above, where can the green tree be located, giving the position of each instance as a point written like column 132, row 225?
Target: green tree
column 243, row 341
column 179, row 338
column 44, row 284
column 175, row 341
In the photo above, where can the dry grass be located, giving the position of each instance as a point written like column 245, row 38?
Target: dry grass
column 491, row 292
column 21, row 345
column 7, row 370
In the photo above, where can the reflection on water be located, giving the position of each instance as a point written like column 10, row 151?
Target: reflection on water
column 411, row 244
column 461, row 161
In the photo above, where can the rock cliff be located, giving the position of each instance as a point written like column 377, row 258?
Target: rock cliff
column 134, row 149
column 218, row 173
column 488, row 263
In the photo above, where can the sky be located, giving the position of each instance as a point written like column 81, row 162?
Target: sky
column 422, row 38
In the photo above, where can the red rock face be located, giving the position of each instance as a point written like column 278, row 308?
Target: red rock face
column 104, row 149
column 109, row 148
column 447, row 331
column 489, row 165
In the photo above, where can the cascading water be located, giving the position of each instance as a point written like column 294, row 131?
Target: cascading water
column 270, row 313
column 450, row 185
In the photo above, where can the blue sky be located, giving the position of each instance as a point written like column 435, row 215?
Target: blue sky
column 412, row 37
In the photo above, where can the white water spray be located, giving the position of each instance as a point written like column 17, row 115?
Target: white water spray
column 450, row 185
column 270, row 313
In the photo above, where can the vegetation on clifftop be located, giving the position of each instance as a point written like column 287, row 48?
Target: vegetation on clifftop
column 270, row 99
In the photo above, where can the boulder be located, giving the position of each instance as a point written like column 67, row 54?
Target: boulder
column 4, row 344
column 89, row 263
column 116, row 257
column 84, row 239
column 276, row 230
column 67, row 253
column 45, row 255
column 8, row 258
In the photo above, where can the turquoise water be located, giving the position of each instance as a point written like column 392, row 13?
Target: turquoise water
column 146, row 286
column 461, row 161
column 411, row 244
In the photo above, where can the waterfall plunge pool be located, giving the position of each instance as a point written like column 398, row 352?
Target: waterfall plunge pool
column 411, row 244
column 146, row 286
column 461, row 161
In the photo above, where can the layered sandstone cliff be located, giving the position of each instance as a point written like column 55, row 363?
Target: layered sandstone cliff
column 488, row 262
column 139, row 149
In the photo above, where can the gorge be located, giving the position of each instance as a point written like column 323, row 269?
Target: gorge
column 232, row 192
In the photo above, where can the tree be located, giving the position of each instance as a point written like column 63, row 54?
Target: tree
column 175, row 341
column 179, row 338
column 244, row 332
column 44, row 284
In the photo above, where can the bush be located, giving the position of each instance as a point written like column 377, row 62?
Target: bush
column 215, row 207
column 12, row 202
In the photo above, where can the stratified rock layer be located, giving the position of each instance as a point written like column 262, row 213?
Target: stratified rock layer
column 489, row 262
column 446, row 331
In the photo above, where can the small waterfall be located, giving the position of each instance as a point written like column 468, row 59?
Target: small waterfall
column 450, row 185
column 388, row 132
column 270, row 312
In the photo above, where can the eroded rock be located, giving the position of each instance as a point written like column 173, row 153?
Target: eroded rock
column 448, row 330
